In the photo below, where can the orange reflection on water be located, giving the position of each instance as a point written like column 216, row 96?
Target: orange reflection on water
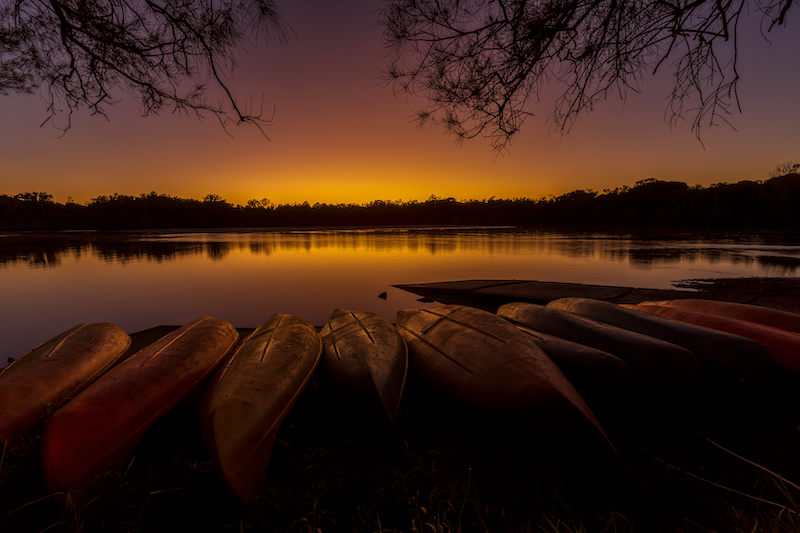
column 50, row 283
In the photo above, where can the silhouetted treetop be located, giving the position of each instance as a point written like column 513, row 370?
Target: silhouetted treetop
column 769, row 204
column 481, row 63
column 162, row 52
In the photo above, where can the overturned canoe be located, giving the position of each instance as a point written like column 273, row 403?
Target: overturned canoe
column 365, row 360
column 50, row 375
column 97, row 431
column 727, row 359
column 603, row 380
column 251, row 394
column 784, row 345
column 493, row 371
column 666, row 373
column 751, row 313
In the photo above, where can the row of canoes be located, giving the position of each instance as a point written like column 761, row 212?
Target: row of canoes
column 546, row 368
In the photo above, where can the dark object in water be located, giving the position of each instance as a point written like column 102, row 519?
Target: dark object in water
column 382, row 296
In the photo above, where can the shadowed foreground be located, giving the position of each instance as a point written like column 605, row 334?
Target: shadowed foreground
column 330, row 474
column 442, row 472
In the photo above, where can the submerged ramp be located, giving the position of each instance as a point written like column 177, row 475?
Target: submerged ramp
column 491, row 294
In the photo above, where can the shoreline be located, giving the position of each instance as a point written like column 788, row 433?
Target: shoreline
column 780, row 293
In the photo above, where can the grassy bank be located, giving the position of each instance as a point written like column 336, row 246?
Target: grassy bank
column 440, row 474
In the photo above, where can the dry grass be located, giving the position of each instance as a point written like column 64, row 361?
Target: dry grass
column 330, row 475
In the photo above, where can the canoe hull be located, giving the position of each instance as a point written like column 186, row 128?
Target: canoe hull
column 784, row 345
column 603, row 380
column 750, row 313
column 365, row 360
column 492, row 371
column 50, row 375
column 727, row 360
column 251, row 394
column 96, row 432
column 666, row 374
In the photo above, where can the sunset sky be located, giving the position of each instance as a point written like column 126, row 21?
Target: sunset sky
column 340, row 136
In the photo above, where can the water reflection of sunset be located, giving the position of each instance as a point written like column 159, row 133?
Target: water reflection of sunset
column 142, row 280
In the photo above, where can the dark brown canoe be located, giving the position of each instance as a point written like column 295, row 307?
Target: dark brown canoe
column 666, row 373
column 603, row 380
column 50, row 375
column 365, row 360
column 97, row 431
column 251, row 394
column 727, row 359
column 493, row 371
column 751, row 313
column 784, row 345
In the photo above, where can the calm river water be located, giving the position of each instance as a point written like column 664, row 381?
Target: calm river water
column 49, row 283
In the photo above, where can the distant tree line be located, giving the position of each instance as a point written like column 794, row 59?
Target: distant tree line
column 767, row 204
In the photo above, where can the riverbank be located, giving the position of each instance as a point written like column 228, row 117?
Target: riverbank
column 440, row 473
column 328, row 474
column 780, row 293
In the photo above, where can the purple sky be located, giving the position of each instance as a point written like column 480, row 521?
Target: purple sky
column 339, row 136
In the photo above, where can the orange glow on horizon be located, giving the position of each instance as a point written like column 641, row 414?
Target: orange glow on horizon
column 340, row 137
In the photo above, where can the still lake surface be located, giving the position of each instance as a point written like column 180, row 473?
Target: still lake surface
column 49, row 283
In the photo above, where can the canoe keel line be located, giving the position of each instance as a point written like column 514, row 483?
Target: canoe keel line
column 364, row 364
column 249, row 397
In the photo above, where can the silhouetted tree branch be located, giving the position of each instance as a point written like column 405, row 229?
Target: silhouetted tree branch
column 480, row 63
column 163, row 52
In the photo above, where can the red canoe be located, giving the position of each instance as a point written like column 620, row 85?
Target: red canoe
column 251, row 394
column 97, row 431
column 784, row 345
column 751, row 313
column 50, row 375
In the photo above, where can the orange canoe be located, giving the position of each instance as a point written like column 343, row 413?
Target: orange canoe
column 365, row 361
column 97, row 431
column 51, row 374
column 494, row 372
column 784, row 345
column 251, row 394
column 750, row 313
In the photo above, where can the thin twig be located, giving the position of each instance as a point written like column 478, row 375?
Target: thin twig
column 748, row 461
